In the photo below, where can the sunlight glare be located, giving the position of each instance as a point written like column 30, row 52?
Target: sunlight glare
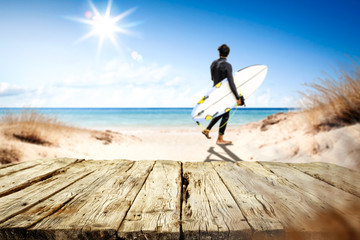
column 104, row 26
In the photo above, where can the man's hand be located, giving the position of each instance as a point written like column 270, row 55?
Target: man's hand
column 241, row 101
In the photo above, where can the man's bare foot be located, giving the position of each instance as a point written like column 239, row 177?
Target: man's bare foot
column 221, row 141
column 206, row 133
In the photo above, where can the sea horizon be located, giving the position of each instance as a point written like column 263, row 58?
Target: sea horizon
column 123, row 117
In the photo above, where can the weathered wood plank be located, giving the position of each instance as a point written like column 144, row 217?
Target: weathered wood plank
column 155, row 213
column 96, row 214
column 10, row 168
column 337, row 176
column 331, row 199
column 208, row 210
column 255, row 206
column 142, row 200
column 15, row 228
column 294, row 206
column 6, row 165
column 20, row 201
column 27, row 176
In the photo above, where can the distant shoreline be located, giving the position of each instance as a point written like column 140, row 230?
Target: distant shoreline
column 120, row 118
column 138, row 108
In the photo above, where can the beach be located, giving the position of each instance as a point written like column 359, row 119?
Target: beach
column 280, row 137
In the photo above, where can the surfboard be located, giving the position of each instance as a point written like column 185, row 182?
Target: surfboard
column 220, row 98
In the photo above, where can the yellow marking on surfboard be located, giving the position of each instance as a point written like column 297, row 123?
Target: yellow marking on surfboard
column 202, row 100
column 208, row 117
column 218, row 85
column 227, row 109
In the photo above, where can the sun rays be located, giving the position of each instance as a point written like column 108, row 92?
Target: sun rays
column 105, row 26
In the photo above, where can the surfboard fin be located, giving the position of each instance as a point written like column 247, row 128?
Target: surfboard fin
column 200, row 113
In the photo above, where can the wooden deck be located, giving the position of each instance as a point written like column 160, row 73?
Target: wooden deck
column 120, row 199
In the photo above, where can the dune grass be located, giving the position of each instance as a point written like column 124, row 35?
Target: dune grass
column 334, row 101
column 31, row 127
column 9, row 155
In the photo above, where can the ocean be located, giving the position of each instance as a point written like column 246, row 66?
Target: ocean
column 99, row 118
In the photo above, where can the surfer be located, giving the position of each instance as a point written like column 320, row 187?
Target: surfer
column 221, row 69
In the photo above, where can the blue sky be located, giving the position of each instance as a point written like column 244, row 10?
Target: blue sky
column 164, row 61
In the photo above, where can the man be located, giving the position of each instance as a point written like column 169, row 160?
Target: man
column 221, row 69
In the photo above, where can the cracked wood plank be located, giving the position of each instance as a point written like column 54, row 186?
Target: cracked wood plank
column 155, row 213
column 22, row 200
column 16, row 227
column 208, row 209
column 340, row 177
column 96, row 214
column 339, row 204
column 8, row 169
column 27, row 176
column 256, row 207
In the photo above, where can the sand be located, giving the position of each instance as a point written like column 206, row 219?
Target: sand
column 280, row 137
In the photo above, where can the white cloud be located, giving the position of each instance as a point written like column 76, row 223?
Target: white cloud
column 114, row 84
column 7, row 89
column 131, row 84
column 261, row 98
column 288, row 101
column 117, row 72
column 264, row 98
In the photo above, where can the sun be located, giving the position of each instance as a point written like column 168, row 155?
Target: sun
column 104, row 26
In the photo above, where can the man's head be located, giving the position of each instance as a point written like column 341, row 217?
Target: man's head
column 224, row 50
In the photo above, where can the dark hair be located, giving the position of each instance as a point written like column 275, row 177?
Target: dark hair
column 224, row 50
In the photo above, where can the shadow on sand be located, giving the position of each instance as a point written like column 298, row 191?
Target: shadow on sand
column 229, row 156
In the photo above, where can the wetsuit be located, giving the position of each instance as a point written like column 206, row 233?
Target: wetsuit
column 221, row 69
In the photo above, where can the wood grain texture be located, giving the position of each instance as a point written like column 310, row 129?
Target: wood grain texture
column 20, row 201
column 8, row 169
column 155, row 213
column 21, row 178
column 330, row 200
column 14, row 227
column 337, row 176
column 208, row 210
column 121, row 199
column 98, row 212
column 254, row 203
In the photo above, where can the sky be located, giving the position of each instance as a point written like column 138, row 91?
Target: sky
column 161, row 57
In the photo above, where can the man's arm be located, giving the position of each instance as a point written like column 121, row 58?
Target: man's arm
column 239, row 99
column 231, row 81
column 211, row 70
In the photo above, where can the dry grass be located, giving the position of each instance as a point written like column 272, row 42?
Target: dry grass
column 334, row 101
column 9, row 155
column 31, row 127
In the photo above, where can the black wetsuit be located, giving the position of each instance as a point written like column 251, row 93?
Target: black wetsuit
column 221, row 69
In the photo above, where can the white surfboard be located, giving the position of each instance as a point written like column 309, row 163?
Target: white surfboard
column 220, row 98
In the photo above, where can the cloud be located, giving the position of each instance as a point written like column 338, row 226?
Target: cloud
column 262, row 98
column 7, row 89
column 265, row 98
column 114, row 84
column 117, row 72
